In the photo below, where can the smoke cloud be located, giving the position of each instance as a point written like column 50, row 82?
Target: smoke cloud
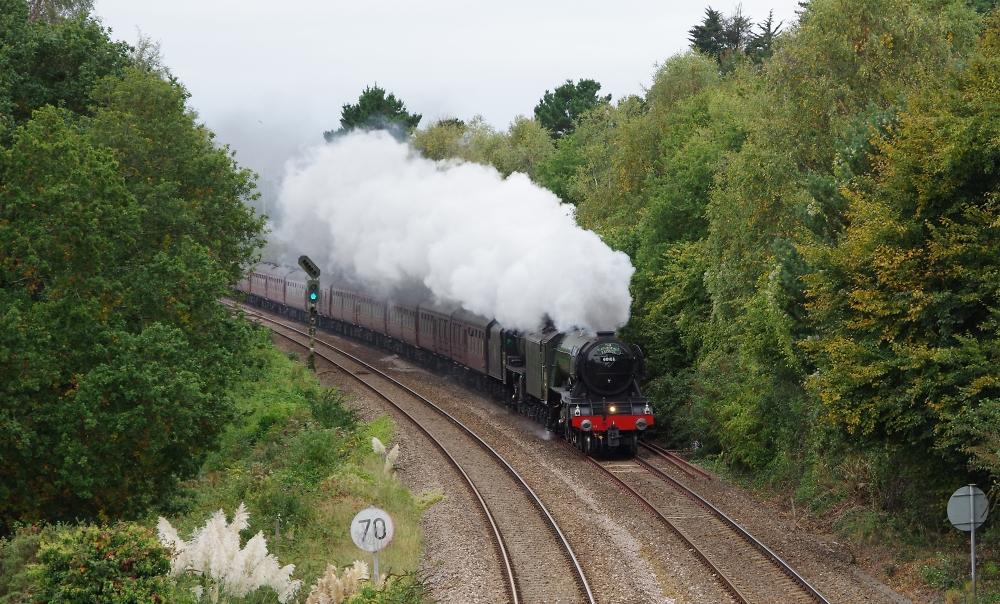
column 368, row 206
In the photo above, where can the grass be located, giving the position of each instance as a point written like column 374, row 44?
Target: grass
column 908, row 553
column 304, row 466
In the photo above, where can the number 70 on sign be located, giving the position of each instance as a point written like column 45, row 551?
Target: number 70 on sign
column 372, row 529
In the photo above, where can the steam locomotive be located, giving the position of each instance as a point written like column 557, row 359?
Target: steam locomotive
column 581, row 385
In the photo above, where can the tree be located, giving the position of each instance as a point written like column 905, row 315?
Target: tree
column 53, row 10
column 906, row 297
column 52, row 63
column 709, row 37
column 120, row 227
column 444, row 139
column 558, row 111
column 375, row 111
column 523, row 147
column 840, row 71
column 760, row 47
column 726, row 39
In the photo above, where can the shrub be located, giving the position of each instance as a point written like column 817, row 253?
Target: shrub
column 405, row 589
column 123, row 564
column 17, row 553
column 329, row 411
column 213, row 555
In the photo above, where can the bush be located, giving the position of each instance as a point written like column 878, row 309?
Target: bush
column 124, row 564
column 329, row 411
column 17, row 553
column 944, row 575
column 405, row 589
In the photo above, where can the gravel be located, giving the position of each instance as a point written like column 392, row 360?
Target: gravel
column 626, row 555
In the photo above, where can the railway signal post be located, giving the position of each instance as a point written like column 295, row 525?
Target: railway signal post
column 312, row 296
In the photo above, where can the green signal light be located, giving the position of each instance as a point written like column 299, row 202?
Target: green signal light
column 312, row 295
column 312, row 290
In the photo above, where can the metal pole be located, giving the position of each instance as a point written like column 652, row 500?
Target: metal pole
column 972, row 522
column 312, row 337
column 376, row 579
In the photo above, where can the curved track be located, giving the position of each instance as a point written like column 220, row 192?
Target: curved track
column 747, row 569
column 538, row 562
column 682, row 464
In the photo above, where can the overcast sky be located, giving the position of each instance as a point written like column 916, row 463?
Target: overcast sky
column 269, row 77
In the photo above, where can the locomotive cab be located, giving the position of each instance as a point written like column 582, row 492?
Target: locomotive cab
column 600, row 405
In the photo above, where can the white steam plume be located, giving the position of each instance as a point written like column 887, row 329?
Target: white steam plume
column 368, row 206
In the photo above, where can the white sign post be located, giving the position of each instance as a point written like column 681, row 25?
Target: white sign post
column 372, row 530
column 967, row 510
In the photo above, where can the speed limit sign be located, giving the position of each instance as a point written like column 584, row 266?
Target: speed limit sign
column 372, row 529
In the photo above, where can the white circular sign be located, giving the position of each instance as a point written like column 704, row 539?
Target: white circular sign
column 968, row 506
column 372, row 529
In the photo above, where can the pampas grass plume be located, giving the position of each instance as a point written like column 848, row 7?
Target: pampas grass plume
column 390, row 459
column 213, row 552
column 331, row 589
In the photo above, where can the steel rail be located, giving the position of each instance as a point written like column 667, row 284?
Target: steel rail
column 736, row 528
column 511, row 585
column 727, row 584
column 538, row 502
column 682, row 464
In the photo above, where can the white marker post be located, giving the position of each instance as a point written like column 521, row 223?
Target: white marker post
column 967, row 510
column 372, row 530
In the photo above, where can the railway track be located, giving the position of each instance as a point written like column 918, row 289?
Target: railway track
column 538, row 563
column 744, row 567
column 747, row 569
column 682, row 464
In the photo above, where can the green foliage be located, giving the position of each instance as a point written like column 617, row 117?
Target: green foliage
column 728, row 39
column 329, row 411
column 305, row 477
column 375, row 111
column 123, row 564
column 54, row 10
column 983, row 6
column 401, row 589
column 557, row 171
column 945, row 574
column 524, row 147
column 794, row 121
column 54, row 64
column 790, row 278
column 121, row 224
column 558, row 111
column 18, row 552
column 618, row 148
column 709, row 37
column 907, row 293
column 444, row 139
column 760, row 47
